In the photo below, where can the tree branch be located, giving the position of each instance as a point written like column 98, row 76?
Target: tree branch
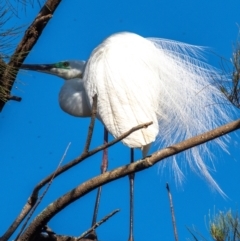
column 30, row 207
column 84, row 156
column 172, row 213
column 44, row 193
column 97, row 224
column 49, row 212
column 32, row 34
column 34, row 196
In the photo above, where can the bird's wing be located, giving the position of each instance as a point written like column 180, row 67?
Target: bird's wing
column 126, row 82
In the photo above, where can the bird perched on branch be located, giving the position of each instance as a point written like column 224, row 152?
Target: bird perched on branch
column 138, row 80
column 148, row 79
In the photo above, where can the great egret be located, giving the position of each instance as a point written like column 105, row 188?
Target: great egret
column 138, row 80
column 148, row 79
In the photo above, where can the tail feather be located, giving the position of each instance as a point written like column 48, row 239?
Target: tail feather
column 167, row 82
column 189, row 103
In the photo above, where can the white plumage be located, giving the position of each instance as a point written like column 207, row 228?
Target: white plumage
column 73, row 100
column 138, row 80
column 126, row 81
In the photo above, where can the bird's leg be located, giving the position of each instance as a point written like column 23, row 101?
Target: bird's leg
column 131, row 180
column 104, row 164
column 104, row 167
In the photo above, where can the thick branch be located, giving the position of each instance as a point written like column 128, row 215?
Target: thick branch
column 55, row 207
column 30, row 38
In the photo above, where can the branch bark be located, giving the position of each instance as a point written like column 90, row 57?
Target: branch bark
column 84, row 156
column 32, row 34
column 172, row 213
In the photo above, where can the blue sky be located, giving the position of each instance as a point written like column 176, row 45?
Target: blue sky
column 35, row 132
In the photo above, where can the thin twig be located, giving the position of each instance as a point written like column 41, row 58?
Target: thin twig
column 96, row 225
column 32, row 34
column 190, row 231
column 85, row 156
column 172, row 213
column 198, row 233
column 44, row 193
column 28, row 209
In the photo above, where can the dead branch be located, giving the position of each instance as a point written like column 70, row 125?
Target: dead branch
column 97, row 225
column 27, row 208
column 49, row 212
column 44, row 193
column 48, row 235
column 172, row 213
column 84, row 156
column 32, row 34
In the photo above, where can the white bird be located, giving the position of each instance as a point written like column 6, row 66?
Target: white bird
column 138, row 80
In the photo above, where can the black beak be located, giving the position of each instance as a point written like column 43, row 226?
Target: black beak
column 37, row 67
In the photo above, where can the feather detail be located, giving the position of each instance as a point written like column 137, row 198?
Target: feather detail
column 139, row 80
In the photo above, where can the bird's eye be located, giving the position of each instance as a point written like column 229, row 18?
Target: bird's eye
column 65, row 64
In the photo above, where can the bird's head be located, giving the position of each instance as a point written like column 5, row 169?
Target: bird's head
column 65, row 69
